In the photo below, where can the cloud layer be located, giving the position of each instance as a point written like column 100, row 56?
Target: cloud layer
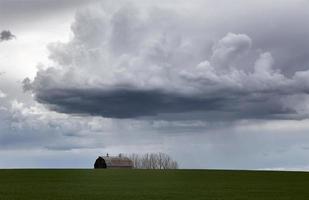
column 230, row 71
column 129, row 62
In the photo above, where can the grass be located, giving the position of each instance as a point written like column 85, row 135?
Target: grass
column 86, row 184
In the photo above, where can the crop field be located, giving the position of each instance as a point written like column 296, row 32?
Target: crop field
column 87, row 184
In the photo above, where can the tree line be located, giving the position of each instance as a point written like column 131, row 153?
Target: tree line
column 152, row 161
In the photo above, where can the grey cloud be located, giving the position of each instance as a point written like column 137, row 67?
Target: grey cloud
column 32, row 127
column 124, row 103
column 6, row 35
column 23, row 11
column 66, row 146
column 229, row 48
column 127, row 63
column 132, row 103
column 218, row 65
column 26, row 126
column 40, row 138
column 26, row 84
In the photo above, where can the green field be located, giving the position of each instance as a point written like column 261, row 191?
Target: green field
column 152, row 184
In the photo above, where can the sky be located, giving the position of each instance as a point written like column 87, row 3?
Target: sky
column 215, row 84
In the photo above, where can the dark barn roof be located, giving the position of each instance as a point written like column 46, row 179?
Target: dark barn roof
column 113, row 162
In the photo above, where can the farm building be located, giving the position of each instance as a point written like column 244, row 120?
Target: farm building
column 113, row 162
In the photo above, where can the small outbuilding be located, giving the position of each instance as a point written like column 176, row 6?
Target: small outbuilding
column 103, row 162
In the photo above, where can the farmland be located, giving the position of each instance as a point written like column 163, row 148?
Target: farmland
column 88, row 184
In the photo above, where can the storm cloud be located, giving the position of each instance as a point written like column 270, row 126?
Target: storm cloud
column 229, row 79
column 123, row 103
column 130, row 62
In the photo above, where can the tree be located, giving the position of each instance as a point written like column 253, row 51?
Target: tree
column 153, row 161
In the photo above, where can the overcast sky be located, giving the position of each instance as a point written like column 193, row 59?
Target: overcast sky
column 215, row 83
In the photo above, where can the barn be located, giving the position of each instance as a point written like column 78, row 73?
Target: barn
column 113, row 162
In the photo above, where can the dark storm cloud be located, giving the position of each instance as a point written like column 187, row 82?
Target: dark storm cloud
column 178, row 65
column 123, row 103
column 133, row 103
column 6, row 35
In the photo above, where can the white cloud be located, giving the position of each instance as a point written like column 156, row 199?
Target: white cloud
column 2, row 94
